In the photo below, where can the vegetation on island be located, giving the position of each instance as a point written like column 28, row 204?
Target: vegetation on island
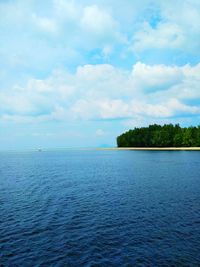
column 168, row 135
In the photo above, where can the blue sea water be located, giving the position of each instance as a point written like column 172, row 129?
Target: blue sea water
column 100, row 208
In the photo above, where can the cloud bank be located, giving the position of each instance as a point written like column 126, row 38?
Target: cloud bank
column 104, row 92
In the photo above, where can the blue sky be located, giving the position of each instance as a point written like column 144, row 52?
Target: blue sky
column 78, row 73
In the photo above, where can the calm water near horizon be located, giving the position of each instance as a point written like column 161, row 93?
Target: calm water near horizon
column 100, row 208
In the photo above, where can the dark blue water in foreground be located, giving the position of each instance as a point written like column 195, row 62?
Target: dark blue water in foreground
column 100, row 208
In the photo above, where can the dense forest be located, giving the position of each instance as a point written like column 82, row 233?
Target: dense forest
column 168, row 135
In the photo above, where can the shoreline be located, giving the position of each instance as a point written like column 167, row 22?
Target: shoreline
column 153, row 148
column 103, row 148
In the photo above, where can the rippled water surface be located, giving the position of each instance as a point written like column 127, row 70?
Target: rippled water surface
column 100, row 208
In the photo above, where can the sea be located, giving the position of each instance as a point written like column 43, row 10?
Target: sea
column 99, row 208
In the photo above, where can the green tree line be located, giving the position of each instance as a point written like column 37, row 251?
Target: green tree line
column 155, row 135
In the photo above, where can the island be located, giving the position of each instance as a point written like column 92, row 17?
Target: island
column 160, row 136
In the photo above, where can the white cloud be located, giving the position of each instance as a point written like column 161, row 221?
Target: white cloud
column 156, row 77
column 177, row 29
column 187, row 88
column 188, row 16
column 97, row 21
column 68, row 10
column 38, row 38
column 165, row 35
column 115, row 108
column 106, row 92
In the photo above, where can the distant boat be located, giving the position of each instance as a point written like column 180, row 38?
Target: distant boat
column 39, row 150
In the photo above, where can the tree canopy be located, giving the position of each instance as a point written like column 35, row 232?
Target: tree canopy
column 155, row 135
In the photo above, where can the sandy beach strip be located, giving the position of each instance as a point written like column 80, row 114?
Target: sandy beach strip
column 153, row 148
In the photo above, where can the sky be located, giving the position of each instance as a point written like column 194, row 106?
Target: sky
column 79, row 73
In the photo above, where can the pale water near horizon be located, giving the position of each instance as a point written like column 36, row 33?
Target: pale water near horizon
column 100, row 208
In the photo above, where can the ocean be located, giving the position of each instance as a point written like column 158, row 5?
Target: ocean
column 100, row 208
